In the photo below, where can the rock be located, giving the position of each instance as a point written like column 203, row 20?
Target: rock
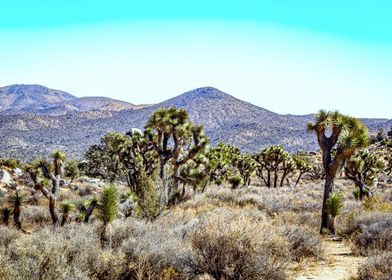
column 3, row 192
column 126, row 208
column 64, row 183
column 93, row 181
column 5, row 177
column 17, row 171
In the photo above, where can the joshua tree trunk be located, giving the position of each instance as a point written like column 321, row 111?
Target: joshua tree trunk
column 332, row 225
column 89, row 211
column 325, row 216
column 362, row 190
column 299, row 178
column 275, row 178
column 103, row 238
column 64, row 219
column 17, row 219
column 282, row 179
column 52, row 210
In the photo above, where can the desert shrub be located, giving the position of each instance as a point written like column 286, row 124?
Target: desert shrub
column 303, row 242
column 122, row 230
column 377, row 267
column 73, row 253
column 36, row 215
column 7, row 235
column 235, row 181
column 374, row 234
column 237, row 249
column 156, row 245
column 10, row 163
column 85, row 191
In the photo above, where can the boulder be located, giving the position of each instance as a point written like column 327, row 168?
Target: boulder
column 5, row 177
column 17, row 171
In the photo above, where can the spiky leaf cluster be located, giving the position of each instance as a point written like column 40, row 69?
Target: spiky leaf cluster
column 107, row 205
column 335, row 203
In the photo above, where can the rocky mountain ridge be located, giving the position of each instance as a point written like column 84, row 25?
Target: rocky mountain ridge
column 224, row 117
column 40, row 100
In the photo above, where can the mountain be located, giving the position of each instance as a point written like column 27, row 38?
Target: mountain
column 40, row 100
column 224, row 118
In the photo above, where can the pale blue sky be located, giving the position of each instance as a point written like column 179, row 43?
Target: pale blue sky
column 286, row 56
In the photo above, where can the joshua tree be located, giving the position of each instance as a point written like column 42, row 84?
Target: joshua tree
column 176, row 140
column 272, row 160
column 302, row 165
column 288, row 166
column 339, row 137
column 52, row 172
column 107, row 211
column 17, row 201
column 72, row 169
column 246, row 166
column 335, row 206
column 66, row 208
column 221, row 160
column 363, row 168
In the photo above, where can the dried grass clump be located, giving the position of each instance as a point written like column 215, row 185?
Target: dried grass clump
column 239, row 248
column 374, row 233
column 303, row 242
column 36, row 215
column 7, row 235
column 377, row 267
column 73, row 253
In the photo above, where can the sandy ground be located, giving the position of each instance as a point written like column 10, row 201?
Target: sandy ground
column 339, row 264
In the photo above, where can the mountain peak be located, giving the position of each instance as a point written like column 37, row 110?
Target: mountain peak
column 205, row 92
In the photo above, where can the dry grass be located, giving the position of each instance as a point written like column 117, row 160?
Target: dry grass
column 251, row 233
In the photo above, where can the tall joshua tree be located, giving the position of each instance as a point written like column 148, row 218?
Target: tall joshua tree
column 339, row 137
column 176, row 140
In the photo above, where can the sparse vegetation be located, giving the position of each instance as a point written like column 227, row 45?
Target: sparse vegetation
column 165, row 204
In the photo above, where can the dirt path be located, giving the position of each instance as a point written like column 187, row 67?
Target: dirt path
column 339, row 264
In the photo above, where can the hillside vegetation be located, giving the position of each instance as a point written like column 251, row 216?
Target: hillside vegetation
column 164, row 203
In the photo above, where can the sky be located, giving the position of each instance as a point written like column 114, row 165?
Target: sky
column 287, row 56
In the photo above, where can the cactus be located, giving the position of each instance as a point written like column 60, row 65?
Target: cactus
column 347, row 136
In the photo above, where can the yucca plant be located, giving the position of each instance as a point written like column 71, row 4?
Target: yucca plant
column 66, row 208
column 17, row 201
column 5, row 215
column 107, row 211
column 335, row 207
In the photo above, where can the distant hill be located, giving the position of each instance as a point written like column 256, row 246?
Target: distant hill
column 40, row 100
column 224, row 118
